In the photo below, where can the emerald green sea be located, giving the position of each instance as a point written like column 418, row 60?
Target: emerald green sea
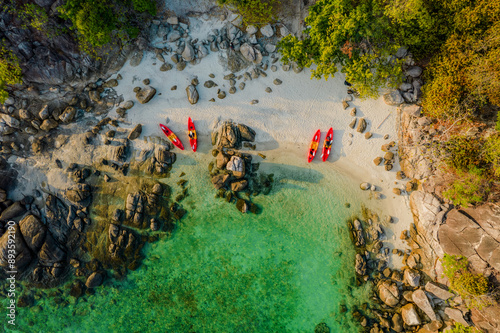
column 284, row 270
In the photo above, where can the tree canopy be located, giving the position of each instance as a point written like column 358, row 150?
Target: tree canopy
column 461, row 39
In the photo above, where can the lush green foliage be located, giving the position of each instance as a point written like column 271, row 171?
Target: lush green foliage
column 465, row 74
column 492, row 153
column 98, row 23
column 361, row 36
column 469, row 188
column 461, row 38
column 473, row 288
column 35, row 16
column 459, row 328
column 10, row 72
column 145, row 6
column 254, row 12
column 93, row 19
column 464, row 152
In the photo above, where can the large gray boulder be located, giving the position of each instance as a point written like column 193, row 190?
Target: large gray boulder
column 48, row 124
column 437, row 291
column 188, row 53
column 410, row 315
column 11, row 121
column 51, row 252
column 420, row 299
column 473, row 233
column 68, row 114
column 411, row 277
column 358, row 233
column 251, row 54
column 219, row 181
column 412, row 109
column 136, row 132
column 136, row 58
column 33, row 231
column 267, row 30
column 388, row 293
column 23, row 255
column 192, row 94
column 414, row 71
column 456, row 315
column 237, row 166
column 94, row 280
column 246, row 133
column 173, row 36
column 13, row 211
column 228, row 136
column 79, row 194
column 393, row 98
column 145, row 94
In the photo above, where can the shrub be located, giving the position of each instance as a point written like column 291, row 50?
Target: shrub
column 145, row 6
column 492, row 153
column 469, row 188
column 94, row 21
column 459, row 328
column 473, row 288
column 254, row 12
column 35, row 16
column 464, row 153
column 10, row 72
column 98, row 23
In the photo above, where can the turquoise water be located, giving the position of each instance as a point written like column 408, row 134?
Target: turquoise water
column 284, row 270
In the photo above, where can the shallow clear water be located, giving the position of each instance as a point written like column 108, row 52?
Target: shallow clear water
column 284, row 270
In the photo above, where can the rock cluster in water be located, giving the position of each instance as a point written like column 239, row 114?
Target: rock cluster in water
column 233, row 173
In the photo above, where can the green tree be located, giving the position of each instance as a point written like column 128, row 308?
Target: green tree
column 10, row 71
column 361, row 37
column 99, row 23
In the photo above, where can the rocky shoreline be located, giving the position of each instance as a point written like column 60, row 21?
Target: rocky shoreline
column 403, row 300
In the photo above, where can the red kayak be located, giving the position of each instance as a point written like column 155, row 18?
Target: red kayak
column 314, row 146
column 193, row 138
column 172, row 137
column 327, row 145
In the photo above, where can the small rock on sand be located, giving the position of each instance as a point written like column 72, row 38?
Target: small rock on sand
column 254, row 101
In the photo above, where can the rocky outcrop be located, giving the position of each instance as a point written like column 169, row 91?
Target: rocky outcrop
column 231, row 135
